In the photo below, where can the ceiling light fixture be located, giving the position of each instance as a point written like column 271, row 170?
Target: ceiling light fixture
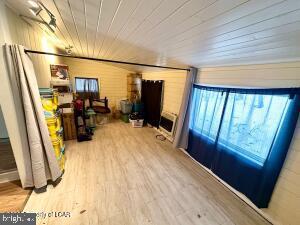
column 52, row 22
column 35, row 11
column 69, row 49
column 33, row 3
column 36, row 7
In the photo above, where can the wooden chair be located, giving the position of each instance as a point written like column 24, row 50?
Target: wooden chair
column 101, row 109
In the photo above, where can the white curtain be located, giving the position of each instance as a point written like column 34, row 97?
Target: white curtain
column 38, row 158
column 182, row 129
column 87, row 87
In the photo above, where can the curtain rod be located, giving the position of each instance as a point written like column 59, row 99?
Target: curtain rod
column 103, row 60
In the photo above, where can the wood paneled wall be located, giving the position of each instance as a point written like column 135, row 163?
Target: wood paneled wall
column 173, row 87
column 112, row 80
column 32, row 37
column 285, row 203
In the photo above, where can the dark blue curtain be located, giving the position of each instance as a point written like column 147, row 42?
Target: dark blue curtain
column 243, row 135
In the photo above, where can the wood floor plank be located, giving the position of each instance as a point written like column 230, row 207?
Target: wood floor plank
column 126, row 176
column 13, row 197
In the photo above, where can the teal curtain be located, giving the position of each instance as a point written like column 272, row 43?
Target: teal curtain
column 243, row 135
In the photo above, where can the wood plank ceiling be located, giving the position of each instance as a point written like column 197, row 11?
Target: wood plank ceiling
column 178, row 32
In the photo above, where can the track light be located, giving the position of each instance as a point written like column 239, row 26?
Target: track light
column 52, row 22
column 34, row 11
column 33, row 3
column 34, row 8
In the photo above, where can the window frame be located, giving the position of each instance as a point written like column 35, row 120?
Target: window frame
column 88, row 78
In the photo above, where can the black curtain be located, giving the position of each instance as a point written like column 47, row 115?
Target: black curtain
column 151, row 97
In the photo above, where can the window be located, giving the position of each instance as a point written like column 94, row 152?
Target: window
column 87, row 87
column 207, row 110
column 243, row 135
column 248, row 125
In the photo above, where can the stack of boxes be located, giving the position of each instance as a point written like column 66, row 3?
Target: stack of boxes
column 49, row 98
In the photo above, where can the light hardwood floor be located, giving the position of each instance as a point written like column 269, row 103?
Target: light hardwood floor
column 13, row 197
column 126, row 176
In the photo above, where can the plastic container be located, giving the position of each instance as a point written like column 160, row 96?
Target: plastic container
column 58, row 123
column 60, row 137
column 61, row 141
column 126, row 106
column 53, row 135
column 91, row 120
column 56, row 147
column 138, row 107
column 53, row 122
column 136, row 116
column 55, row 97
column 137, row 123
column 52, row 125
column 124, row 117
column 45, row 91
column 58, row 115
column 48, row 114
column 48, row 104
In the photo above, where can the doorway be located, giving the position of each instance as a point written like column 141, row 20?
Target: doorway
column 7, row 160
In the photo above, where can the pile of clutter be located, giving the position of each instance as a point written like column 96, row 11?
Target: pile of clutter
column 49, row 99
column 132, row 112
column 84, row 121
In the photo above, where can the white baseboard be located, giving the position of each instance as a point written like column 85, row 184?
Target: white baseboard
column 237, row 193
column 9, row 176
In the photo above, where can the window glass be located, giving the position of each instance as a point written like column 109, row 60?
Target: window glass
column 249, row 124
column 207, row 111
column 87, row 87
column 80, row 84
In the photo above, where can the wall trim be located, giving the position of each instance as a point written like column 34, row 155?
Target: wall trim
column 9, row 176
